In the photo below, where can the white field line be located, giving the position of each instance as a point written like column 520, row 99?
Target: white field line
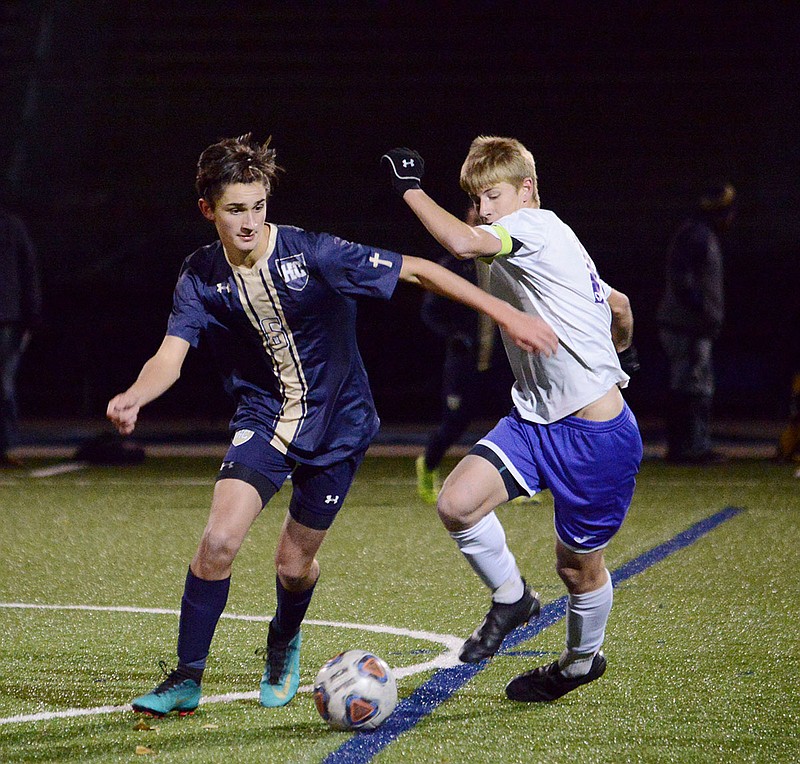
column 58, row 469
column 443, row 660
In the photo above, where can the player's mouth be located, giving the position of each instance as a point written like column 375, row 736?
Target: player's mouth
column 247, row 238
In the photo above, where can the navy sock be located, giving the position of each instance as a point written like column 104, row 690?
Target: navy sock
column 291, row 609
column 201, row 606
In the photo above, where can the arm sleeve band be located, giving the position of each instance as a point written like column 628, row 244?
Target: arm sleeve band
column 506, row 243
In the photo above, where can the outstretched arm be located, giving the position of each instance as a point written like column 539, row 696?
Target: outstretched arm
column 406, row 169
column 527, row 332
column 156, row 377
column 457, row 237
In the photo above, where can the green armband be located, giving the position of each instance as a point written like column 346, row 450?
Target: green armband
column 506, row 245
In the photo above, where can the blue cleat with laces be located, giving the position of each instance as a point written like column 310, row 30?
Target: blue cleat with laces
column 176, row 693
column 282, row 671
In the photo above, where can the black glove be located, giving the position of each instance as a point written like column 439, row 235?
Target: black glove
column 629, row 360
column 406, row 169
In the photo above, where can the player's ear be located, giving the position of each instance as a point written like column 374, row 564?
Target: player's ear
column 206, row 209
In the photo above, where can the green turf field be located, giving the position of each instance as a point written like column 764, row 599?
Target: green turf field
column 703, row 646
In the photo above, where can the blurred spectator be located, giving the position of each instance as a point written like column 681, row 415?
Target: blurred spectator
column 475, row 370
column 690, row 318
column 789, row 440
column 20, row 312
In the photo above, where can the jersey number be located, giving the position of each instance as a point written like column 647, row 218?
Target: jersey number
column 274, row 334
column 594, row 278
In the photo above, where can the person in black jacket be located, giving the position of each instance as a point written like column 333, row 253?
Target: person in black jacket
column 690, row 318
column 475, row 371
column 20, row 311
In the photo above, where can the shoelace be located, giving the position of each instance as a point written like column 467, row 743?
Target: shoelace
column 275, row 657
column 172, row 678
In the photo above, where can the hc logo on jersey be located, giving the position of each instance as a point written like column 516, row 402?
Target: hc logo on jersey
column 293, row 271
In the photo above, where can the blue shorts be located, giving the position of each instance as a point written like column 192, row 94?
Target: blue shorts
column 317, row 492
column 590, row 468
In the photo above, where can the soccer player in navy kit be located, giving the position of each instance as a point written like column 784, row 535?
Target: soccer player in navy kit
column 570, row 429
column 276, row 307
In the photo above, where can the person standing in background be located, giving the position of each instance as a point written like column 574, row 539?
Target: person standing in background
column 20, row 312
column 475, row 368
column 690, row 318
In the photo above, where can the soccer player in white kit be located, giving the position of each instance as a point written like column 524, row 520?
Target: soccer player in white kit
column 570, row 429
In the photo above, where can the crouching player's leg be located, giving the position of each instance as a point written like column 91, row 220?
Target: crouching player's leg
column 591, row 497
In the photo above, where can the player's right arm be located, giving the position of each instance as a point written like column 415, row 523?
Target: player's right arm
column 156, row 377
column 457, row 237
column 406, row 168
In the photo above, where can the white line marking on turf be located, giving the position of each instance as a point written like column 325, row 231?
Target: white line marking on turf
column 443, row 660
column 58, row 469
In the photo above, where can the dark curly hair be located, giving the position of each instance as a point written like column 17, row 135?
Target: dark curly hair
column 235, row 160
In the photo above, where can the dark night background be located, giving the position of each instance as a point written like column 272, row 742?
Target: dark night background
column 628, row 108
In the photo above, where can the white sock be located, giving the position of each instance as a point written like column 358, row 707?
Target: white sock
column 484, row 546
column 587, row 615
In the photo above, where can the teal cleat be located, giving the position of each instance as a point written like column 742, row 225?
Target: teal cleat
column 175, row 693
column 428, row 481
column 282, row 671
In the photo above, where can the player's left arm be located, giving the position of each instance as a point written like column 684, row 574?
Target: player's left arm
column 621, row 320
column 622, row 331
column 527, row 332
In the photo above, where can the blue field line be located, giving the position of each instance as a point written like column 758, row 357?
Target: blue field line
column 360, row 748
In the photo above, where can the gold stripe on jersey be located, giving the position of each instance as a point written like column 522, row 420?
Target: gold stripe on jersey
column 263, row 309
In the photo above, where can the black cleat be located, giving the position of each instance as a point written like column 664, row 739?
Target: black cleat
column 500, row 621
column 547, row 683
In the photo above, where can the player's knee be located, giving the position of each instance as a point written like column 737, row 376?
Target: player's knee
column 580, row 580
column 571, row 576
column 217, row 551
column 454, row 506
column 297, row 574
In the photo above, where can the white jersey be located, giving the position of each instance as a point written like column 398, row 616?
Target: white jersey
column 549, row 274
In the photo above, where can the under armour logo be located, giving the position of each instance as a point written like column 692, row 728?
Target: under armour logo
column 375, row 259
column 408, row 163
column 226, row 465
column 223, row 286
column 331, row 499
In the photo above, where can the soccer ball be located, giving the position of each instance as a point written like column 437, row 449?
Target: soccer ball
column 355, row 690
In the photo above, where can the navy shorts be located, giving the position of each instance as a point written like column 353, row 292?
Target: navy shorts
column 317, row 492
column 590, row 468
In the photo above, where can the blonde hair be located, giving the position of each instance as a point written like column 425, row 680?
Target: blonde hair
column 492, row 160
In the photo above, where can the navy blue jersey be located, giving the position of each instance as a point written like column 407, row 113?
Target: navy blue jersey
column 283, row 336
